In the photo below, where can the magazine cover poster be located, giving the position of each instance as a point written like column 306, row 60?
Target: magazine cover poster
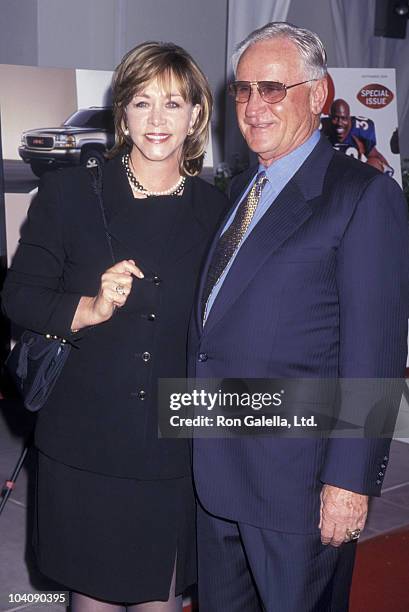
column 360, row 116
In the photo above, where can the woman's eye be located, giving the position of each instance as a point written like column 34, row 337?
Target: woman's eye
column 172, row 104
column 141, row 104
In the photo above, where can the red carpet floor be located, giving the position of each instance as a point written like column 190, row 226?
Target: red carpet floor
column 381, row 576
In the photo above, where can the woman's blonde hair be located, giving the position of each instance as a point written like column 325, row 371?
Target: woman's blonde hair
column 166, row 62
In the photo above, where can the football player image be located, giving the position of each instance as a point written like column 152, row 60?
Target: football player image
column 354, row 136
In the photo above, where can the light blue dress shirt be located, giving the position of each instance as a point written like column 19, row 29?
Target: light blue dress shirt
column 278, row 174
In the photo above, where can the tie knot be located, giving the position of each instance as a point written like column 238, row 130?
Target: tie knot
column 261, row 180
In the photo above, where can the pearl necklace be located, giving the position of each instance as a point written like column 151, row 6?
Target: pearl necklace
column 138, row 187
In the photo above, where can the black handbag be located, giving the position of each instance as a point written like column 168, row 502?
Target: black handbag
column 35, row 364
column 37, row 360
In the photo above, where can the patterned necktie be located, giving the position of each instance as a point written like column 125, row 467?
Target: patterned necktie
column 230, row 240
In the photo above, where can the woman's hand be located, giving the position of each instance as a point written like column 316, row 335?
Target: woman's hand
column 116, row 284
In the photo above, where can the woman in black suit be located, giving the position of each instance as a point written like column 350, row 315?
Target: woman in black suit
column 114, row 504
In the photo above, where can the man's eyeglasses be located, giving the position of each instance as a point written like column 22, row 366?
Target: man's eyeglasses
column 270, row 91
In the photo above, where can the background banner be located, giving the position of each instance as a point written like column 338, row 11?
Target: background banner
column 43, row 130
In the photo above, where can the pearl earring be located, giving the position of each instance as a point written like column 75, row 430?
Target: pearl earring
column 126, row 132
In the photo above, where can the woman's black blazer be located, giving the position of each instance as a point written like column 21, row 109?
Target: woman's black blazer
column 102, row 413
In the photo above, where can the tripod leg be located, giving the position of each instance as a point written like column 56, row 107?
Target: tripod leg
column 10, row 484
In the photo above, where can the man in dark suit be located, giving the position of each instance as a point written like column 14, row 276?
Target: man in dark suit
column 306, row 278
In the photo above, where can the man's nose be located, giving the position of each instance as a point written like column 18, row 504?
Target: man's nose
column 255, row 103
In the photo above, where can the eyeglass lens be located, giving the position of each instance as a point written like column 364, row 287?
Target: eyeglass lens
column 270, row 91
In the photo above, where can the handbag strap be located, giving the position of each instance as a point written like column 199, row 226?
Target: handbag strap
column 97, row 183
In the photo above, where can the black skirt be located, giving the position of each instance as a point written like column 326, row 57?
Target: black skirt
column 115, row 539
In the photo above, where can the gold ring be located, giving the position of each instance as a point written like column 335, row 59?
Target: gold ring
column 119, row 289
column 352, row 534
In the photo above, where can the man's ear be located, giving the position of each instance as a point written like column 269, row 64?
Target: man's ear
column 318, row 96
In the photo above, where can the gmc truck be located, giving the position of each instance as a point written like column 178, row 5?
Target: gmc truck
column 81, row 140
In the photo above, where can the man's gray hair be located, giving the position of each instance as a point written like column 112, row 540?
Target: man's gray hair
column 310, row 47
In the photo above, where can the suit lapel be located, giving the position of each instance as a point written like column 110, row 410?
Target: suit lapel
column 290, row 210
column 282, row 219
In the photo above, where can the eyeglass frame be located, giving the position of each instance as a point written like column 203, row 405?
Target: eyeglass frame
column 257, row 83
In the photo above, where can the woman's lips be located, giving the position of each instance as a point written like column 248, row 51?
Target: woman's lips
column 157, row 138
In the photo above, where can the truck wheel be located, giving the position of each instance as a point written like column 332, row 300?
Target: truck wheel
column 91, row 158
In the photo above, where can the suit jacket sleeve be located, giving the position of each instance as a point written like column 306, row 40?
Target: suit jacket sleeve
column 372, row 277
column 33, row 294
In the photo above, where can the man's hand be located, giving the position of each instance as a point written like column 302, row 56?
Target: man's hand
column 340, row 510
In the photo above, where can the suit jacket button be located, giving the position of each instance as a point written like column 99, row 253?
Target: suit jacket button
column 142, row 394
column 146, row 356
column 151, row 316
column 378, row 482
column 203, row 356
column 156, row 281
column 383, row 465
column 386, row 458
column 380, row 474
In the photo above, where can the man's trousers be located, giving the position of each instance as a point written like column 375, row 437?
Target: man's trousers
column 246, row 569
